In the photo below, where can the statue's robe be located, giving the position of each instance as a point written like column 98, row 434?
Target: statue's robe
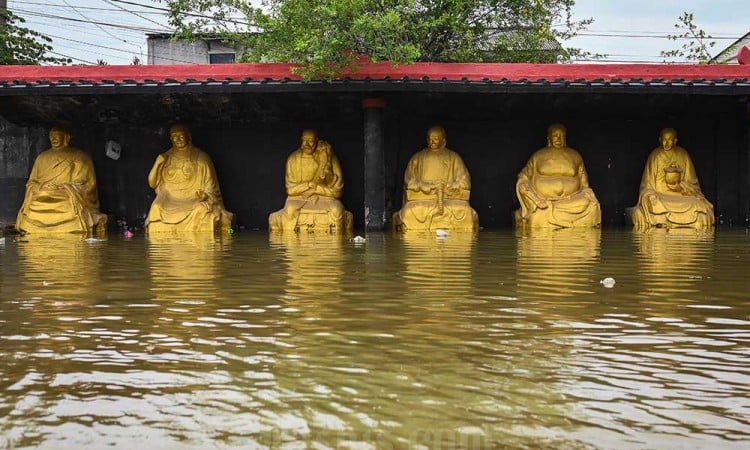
column 177, row 206
column 425, row 210
column 660, row 206
column 321, row 209
column 61, row 195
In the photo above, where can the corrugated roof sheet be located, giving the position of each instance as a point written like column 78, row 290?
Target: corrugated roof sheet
column 14, row 78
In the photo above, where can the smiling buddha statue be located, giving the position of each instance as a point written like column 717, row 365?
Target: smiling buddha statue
column 437, row 186
column 553, row 188
column 187, row 191
column 61, row 194
column 670, row 195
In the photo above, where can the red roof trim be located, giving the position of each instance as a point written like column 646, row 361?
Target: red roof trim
column 380, row 71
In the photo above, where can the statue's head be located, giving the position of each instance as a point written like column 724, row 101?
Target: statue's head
column 556, row 135
column 436, row 138
column 668, row 138
column 309, row 141
column 179, row 134
column 59, row 137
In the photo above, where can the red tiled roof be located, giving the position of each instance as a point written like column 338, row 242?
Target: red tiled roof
column 619, row 74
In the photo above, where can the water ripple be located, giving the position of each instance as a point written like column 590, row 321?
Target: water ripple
column 476, row 340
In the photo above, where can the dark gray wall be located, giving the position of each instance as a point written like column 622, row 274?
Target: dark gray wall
column 19, row 145
column 250, row 136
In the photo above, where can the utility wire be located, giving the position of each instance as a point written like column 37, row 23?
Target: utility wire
column 85, row 8
column 115, row 49
column 71, row 57
column 203, row 16
column 82, row 15
column 107, row 24
column 134, row 13
column 109, row 58
column 76, row 28
column 605, row 34
column 596, row 33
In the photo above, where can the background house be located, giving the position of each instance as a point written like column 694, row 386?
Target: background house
column 163, row 48
column 729, row 54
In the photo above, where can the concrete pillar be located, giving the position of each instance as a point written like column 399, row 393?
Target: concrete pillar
column 374, row 163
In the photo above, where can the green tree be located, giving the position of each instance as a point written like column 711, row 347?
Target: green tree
column 696, row 41
column 327, row 37
column 20, row 45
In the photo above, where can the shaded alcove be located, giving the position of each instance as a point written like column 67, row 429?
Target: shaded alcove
column 250, row 135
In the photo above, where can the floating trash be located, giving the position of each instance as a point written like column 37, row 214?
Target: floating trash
column 358, row 240
column 93, row 240
column 2, row 241
column 441, row 233
column 608, row 282
column 128, row 234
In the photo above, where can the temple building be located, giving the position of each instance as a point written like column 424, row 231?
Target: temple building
column 249, row 118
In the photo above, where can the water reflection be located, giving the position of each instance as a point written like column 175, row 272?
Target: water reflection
column 495, row 340
column 314, row 266
column 59, row 267
column 673, row 261
column 557, row 263
column 185, row 267
column 438, row 268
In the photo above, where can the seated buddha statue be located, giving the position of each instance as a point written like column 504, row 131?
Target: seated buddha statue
column 553, row 188
column 187, row 190
column 670, row 195
column 314, row 185
column 61, row 194
column 436, row 189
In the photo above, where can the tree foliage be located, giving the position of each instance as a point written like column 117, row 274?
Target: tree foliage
column 20, row 45
column 696, row 43
column 328, row 36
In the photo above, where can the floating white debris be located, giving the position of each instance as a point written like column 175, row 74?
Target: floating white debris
column 358, row 240
column 441, row 233
column 93, row 240
column 2, row 241
column 608, row 282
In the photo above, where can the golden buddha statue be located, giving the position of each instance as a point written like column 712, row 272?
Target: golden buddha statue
column 436, row 189
column 187, row 190
column 61, row 193
column 670, row 195
column 553, row 188
column 314, row 184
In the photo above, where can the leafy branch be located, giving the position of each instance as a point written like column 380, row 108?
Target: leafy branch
column 697, row 45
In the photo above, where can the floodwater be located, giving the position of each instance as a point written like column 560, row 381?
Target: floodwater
column 489, row 340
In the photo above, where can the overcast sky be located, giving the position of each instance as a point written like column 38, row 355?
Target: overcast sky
column 627, row 31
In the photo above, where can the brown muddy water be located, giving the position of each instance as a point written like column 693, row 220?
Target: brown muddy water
column 489, row 340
